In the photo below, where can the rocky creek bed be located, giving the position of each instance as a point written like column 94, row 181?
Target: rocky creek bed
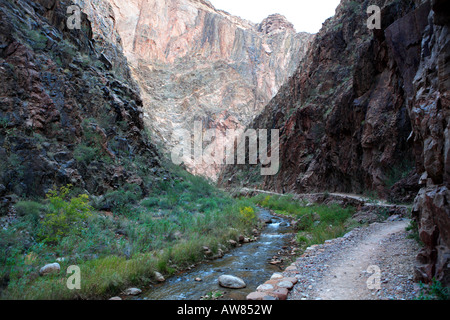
column 252, row 262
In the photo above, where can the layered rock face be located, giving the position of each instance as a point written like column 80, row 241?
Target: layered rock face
column 196, row 63
column 430, row 114
column 70, row 112
column 343, row 116
column 368, row 111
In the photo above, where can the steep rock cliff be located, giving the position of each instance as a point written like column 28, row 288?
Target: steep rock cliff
column 196, row 63
column 342, row 116
column 68, row 115
column 430, row 114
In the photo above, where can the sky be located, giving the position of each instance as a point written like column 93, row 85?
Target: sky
column 306, row 15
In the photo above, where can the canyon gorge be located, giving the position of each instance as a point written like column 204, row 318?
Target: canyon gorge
column 359, row 111
column 196, row 63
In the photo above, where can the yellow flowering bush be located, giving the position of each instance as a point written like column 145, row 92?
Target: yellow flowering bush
column 64, row 215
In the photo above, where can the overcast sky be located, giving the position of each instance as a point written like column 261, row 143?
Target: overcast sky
column 306, row 15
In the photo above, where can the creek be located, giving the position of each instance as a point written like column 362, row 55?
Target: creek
column 249, row 262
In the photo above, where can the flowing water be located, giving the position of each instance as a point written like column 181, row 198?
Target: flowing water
column 249, row 262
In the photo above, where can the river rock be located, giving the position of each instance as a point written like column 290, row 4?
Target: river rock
column 159, row 277
column 257, row 296
column 277, row 276
column 49, row 269
column 231, row 282
column 265, row 287
column 132, row 292
column 280, row 293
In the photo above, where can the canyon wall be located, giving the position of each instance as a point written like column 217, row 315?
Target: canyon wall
column 367, row 112
column 430, row 115
column 196, row 63
column 342, row 116
column 70, row 112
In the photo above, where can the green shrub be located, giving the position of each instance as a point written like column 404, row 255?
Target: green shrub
column 434, row 291
column 28, row 208
column 247, row 214
column 150, row 202
column 30, row 211
column 123, row 199
column 86, row 154
column 64, row 215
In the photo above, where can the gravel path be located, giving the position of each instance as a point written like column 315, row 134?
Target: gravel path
column 340, row 269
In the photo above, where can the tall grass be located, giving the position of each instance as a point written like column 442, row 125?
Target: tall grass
column 316, row 223
column 165, row 232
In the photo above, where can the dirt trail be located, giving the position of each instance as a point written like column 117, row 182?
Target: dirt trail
column 362, row 199
column 347, row 278
column 370, row 263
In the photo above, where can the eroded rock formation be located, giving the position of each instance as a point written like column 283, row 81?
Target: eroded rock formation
column 196, row 63
column 65, row 116
column 430, row 114
column 343, row 114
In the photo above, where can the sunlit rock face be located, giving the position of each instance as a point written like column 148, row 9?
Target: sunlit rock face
column 196, row 63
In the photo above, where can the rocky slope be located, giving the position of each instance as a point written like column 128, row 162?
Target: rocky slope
column 367, row 112
column 196, row 63
column 430, row 115
column 69, row 111
column 342, row 115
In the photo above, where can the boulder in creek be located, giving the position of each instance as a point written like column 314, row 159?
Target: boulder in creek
column 231, row 282
column 132, row 292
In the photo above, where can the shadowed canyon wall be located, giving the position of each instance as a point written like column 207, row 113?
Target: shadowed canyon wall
column 367, row 112
column 70, row 112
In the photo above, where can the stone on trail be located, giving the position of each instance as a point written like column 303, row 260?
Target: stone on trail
column 286, row 284
column 276, row 276
column 265, row 287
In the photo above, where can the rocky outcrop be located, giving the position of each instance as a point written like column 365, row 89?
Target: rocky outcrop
column 430, row 114
column 69, row 110
column 342, row 116
column 275, row 23
column 196, row 63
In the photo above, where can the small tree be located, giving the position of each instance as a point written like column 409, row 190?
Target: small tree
column 64, row 215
